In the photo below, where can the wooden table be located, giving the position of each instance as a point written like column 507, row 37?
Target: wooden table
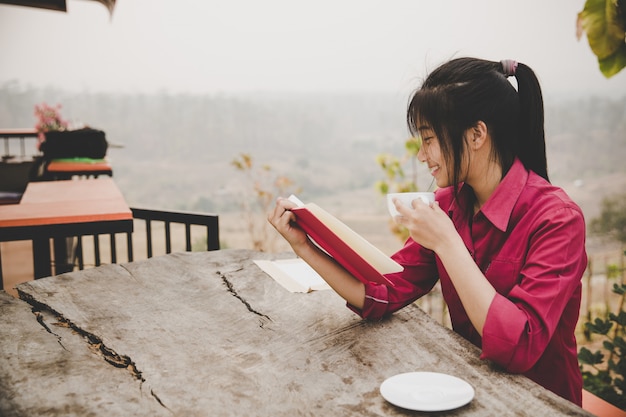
column 65, row 169
column 210, row 334
column 19, row 132
column 60, row 209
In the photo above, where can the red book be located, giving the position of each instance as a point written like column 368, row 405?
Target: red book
column 348, row 248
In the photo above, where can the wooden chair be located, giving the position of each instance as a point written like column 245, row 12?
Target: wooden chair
column 210, row 222
column 16, row 167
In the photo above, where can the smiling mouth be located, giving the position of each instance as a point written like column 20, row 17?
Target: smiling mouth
column 434, row 169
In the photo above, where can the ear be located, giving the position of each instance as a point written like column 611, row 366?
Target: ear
column 478, row 135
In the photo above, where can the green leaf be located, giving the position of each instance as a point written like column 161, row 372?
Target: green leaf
column 608, row 345
column 585, row 356
column 599, row 326
column 413, row 146
column 621, row 344
column 619, row 318
column 605, row 31
column 383, row 187
column 619, row 289
column 613, row 271
column 614, row 63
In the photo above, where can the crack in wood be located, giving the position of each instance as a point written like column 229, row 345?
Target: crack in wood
column 40, row 320
column 234, row 293
column 156, row 397
column 96, row 344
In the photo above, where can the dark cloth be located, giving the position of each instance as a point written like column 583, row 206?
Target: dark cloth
column 81, row 143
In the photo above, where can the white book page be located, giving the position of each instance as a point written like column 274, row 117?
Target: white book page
column 295, row 275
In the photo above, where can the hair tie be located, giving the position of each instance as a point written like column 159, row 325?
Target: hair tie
column 509, row 67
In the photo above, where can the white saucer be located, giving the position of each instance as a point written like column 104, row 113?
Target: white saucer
column 426, row 391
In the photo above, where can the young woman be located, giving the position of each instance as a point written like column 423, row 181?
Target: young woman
column 507, row 246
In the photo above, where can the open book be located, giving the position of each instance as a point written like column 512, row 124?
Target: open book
column 348, row 248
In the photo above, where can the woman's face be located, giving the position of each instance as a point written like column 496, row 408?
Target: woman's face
column 430, row 153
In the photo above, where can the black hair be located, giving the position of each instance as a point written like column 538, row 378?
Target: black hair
column 464, row 91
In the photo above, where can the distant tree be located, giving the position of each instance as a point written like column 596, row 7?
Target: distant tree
column 612, row 219
column 604, row 22
column 263, row 187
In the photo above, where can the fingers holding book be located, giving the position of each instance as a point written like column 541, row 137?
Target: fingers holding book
column 284, row 221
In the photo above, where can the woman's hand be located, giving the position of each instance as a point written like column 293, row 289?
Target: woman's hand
column 284, row 221
column 346, row 285
column 428, row 225
column 432, row 228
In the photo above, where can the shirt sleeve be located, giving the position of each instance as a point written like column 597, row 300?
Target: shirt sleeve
column 417, row 279
column 520, row 325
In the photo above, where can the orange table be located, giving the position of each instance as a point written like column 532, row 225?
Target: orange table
column 60, row 209
column 67, row 168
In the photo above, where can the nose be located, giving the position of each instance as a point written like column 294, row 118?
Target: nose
column 421, row 154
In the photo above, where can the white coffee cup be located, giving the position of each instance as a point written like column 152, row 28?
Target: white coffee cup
column 407, row 200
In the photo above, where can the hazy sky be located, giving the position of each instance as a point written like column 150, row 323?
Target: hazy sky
column 290, row 45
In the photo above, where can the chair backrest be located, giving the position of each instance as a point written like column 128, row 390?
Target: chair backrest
column 210, row 221
column 153, row 221
column 16, row 138
column 16, row 168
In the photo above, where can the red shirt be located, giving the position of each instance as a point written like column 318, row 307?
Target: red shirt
column 529, row 241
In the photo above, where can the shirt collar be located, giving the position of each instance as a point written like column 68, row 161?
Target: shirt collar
column 499, row 207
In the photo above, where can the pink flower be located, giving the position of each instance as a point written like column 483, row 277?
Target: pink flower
column 49, row 118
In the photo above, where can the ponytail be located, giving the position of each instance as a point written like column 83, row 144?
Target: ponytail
column 532, row 150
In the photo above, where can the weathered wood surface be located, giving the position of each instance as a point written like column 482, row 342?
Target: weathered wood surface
column 209, row 334
column 47, row 369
